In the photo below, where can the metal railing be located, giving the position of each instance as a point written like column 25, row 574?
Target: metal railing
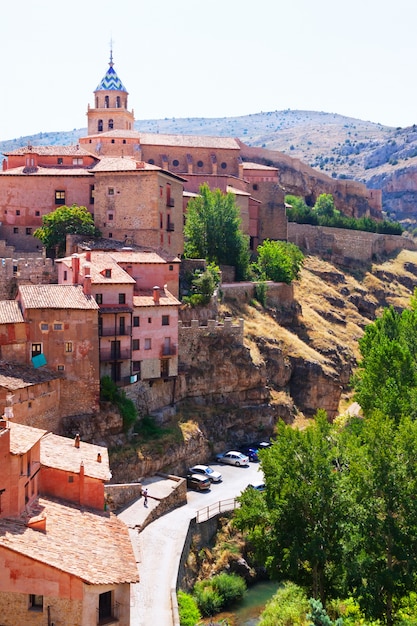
column 115, row 332
column 214, row 509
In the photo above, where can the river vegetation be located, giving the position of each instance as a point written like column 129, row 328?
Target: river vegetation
column 339, row 514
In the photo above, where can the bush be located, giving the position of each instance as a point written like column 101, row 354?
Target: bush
column 289, row 605
column 111, row 393
column 188, row 609
column 219, row 592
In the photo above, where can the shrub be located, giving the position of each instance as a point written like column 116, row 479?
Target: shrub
column 260, row 292
column 188, row 609
column 218, row 592
column 209, row 601
column 289, row 605
column 111, row 393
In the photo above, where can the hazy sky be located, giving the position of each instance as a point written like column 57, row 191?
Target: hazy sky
column 216, row 58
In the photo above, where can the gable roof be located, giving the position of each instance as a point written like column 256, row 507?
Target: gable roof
column 90, row 545
column 10, row 312
column 55, row 297
column 23, row 438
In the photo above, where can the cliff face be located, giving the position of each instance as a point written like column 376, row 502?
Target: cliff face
column 231, row 391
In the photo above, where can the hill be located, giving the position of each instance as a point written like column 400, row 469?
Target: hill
column 342, row 147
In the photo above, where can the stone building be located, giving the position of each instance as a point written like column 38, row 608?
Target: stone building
column 60, row 562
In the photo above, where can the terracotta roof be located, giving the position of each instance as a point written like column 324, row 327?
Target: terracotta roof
column 123, row 164
column 10, row 312
column 236, row 192
column 23, row 438
column 145, row 298
column 247, row 165
column 55, row 297
column 47, row 171
column 60, row 453
column 104, row 244
column 188, row 141
column 92, row 546
column 115, row 133
column 101, row 261
column 17, row 376
column 138, row 256
column 51, row 151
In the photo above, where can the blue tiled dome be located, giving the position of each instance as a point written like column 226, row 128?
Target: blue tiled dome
column 111, row 81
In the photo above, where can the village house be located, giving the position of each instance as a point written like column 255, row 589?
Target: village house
column 138, row 314
column 63, row 559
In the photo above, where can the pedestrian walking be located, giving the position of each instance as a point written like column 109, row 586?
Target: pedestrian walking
column 145, row 497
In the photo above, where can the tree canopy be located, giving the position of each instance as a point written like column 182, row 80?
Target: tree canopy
column 62, row 222
column 213, row 230
column 279, row 261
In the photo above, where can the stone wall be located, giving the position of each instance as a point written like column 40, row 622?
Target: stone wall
column 23, row 269
column 278, row 294
column 116, row 497
column 187, row 334
column 343, row 246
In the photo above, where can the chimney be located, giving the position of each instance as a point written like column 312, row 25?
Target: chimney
column 88, row 256
column 77, row 441
column 37, row 523
column 75, row 268
column 156, row 295
column 87, row 285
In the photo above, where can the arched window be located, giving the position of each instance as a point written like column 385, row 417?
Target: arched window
column 117, row 102
column 110, row 124
column 106, row 102
column 100, row 126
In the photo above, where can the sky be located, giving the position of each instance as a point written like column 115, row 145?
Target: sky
column 217, row 58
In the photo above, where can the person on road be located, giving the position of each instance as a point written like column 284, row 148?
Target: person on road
column 145, row 497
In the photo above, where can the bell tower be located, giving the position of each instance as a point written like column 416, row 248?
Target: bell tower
column 110, row 99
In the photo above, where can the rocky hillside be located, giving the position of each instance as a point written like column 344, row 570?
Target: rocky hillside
column 341, row 147
column 293, row 361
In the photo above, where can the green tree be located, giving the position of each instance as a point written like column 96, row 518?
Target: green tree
column 213, row 231
column 279, row 261
column 380, row 533
column 295, row 525
column 324, row 205
column 386, row 379
column 62, row 222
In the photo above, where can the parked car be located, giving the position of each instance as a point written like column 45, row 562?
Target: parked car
column 198, row 482
column 207, row 471
column 251, row 453
column 258, row 486
column 233, row 458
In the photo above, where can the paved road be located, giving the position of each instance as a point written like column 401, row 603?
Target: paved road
column 158, row 547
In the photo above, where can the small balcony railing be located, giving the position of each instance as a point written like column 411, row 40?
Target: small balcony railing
column 170, row 227
column 170, row 202
column 108, row 354
column 115, row 332
column 170, row 350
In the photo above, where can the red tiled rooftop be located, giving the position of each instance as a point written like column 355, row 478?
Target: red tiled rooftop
column 145, row 298
column 23, row 438
column 10, row 312
column 93, row 546
column 55, row 297
column 60, row 453
column 75, row 151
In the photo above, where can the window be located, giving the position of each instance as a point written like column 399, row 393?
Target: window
column 60, row 160
column 122, row 298
column 200, row 163
column 58, row 326
column 59, row 196
column 37, row 213
column 149, row 320
column 104, row 606
column 70, row 479
column 165, row 320
column 44, row 326
column 68, row 346
column 110, row 191
column 100, row 126
column 110, row 235
column 175, row 162
column 135, row 344
column 223, row 165
column 106, row 102
column 28, row 231
column 17, row 212
column 110, row 217
column 117, row 102
column 77, row 161
column 36, row 349
column 148, row 344
column 99, row 298
column 151, row 161
column 15, row 230
column 65, row 275
column 35, row 602
column 171, row 267
column 110, row 124
column 255, row 187
column 91, row 194
column 136, row 321
column 136, row 366
column 60, row 368
column 107, row 273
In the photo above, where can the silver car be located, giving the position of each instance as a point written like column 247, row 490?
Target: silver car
column 208, row 471
column 233, row 458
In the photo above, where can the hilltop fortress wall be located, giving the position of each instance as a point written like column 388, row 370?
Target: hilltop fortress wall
column 297, row 178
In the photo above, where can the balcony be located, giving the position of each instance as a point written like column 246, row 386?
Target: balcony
column 115, row 332
column 170, row 202
column 108, row 354
column 170, row 350
column 170, row 227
